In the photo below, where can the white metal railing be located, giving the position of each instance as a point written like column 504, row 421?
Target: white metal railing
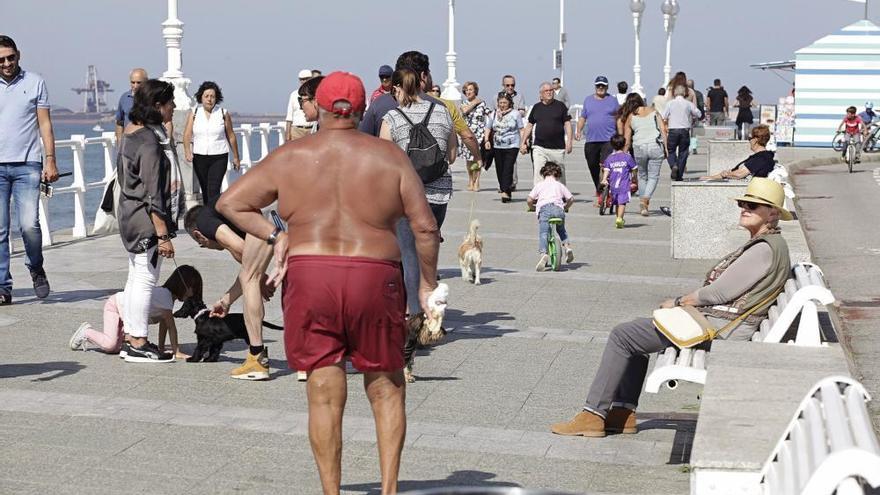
column 78, row 143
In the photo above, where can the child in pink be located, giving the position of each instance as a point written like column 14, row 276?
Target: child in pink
column 551, row 199
column 617, row 173
column 184, row 283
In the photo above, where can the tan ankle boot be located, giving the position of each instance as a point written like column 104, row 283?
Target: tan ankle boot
column 644, row 206
column 584, row 424
column 621, row 420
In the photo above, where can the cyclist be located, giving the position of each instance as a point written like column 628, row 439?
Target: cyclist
column 853, row 128
column 872, row 121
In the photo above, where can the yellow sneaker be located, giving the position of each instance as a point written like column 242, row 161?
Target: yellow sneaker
column 254, row 367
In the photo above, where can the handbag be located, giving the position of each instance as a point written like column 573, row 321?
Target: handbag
column 685, row 326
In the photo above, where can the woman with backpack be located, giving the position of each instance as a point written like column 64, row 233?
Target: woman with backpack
column 645, row 133
column 422, row 129
column 208, row 139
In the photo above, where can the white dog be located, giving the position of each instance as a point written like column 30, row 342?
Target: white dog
column 470, row 254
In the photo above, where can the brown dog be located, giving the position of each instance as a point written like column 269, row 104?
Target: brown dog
column 425, row 329
column 470, row 254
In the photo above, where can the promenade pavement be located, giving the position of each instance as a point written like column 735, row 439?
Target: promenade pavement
column 522, row 350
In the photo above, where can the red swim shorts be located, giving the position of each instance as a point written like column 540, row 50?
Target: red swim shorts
column 337, row 306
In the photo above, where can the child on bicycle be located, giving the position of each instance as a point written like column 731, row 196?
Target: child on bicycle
column 853, row 128
column 184, row 283
column 617, row 173
column 551, row 199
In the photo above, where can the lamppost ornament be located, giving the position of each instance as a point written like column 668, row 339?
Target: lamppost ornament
column 450, row 86
column 637, row 7
column 670, row 10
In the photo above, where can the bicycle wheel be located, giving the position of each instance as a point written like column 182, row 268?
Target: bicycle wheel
column 838, row 142
column 850, row 156
column 553, row 249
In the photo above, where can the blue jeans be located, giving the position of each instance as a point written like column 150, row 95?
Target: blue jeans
column 544, row 215
column 20, row 182
column 410, row 259
column 679, row 148
column 649, row 157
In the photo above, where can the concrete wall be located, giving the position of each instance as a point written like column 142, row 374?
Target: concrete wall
column 724, row 155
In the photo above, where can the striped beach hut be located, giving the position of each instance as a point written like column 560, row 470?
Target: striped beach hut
column 837, row 71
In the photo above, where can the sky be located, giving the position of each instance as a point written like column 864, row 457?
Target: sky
column 253, row 49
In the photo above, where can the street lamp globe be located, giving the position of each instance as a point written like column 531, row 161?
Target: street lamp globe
column 675, row 7
column 669, row 7
column 637, row 6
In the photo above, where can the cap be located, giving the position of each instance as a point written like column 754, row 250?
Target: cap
column 869, row 105
column 305, row 74
column 385, row 71
column 601, row 81
column 341, row 86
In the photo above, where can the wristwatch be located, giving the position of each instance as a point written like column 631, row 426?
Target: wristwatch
column 677, row 301
column 166, row 237
column 273, row 236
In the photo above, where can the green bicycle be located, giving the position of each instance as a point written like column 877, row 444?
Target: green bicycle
column 554, row 247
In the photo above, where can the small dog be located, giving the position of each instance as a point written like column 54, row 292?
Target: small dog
column 425, row 330
column 470, row 254
column 212, row 331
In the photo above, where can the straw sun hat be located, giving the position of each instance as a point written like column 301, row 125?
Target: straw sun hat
column 766, row 192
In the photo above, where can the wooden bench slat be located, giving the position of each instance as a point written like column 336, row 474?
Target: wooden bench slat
column 839, row 436
column 859, row 421
column 801, row 453
column 818, row 442
column 700, row 356
column 788, row 468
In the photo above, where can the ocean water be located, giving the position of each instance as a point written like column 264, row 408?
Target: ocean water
column 61, row 204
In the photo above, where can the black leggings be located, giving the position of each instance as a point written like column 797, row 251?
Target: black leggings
column 596, row 152
column 505, row 160
column 210, row 170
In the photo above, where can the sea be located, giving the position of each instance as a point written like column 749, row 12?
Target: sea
column 61, row 206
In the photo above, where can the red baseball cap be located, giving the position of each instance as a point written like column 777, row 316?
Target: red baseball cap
column 341, row 86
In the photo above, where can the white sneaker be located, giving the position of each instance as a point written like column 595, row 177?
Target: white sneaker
column 542, row 263
column 78, row 339
column 569, row 255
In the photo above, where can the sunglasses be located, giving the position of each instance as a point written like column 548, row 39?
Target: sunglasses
column 9, row 58
column 510, row 85
column 748, row 205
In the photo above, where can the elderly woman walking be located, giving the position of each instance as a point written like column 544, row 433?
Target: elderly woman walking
column 740, row 283
column 149, row 207
column 475, row 111
column 208, row 139
column 645, row 132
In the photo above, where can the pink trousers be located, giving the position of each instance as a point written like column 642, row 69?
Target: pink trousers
column 110, row 339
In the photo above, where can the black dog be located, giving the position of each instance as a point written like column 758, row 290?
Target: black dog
column 212, row 331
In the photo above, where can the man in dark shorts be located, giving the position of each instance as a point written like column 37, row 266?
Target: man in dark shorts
column 212, row 231
column 342, row 192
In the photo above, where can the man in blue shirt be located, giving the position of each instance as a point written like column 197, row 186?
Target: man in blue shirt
column 868, row 115
column 136, row 77
column 24, row 110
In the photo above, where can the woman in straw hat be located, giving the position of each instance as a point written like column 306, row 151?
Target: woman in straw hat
column 740, row 282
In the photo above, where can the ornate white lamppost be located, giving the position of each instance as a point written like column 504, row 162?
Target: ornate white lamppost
column 637, row 7
column 172, row 31
column 670, row 11
column 558, row 58
column 450, row 86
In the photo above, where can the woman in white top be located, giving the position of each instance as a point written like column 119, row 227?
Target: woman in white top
column 645, row 132
column 208, row 139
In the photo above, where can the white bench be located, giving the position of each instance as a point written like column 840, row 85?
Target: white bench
column 829, row 446
column 802, row 291
column 799, row 298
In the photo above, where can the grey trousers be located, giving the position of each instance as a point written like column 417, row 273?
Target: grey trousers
column 624, row 364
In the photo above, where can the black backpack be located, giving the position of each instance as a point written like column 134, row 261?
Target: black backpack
column 423, row 149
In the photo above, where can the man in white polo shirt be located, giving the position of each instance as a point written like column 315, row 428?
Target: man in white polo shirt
column 297, row 126
column 24, row 110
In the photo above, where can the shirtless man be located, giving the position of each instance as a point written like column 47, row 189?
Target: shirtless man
column 342, row 192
